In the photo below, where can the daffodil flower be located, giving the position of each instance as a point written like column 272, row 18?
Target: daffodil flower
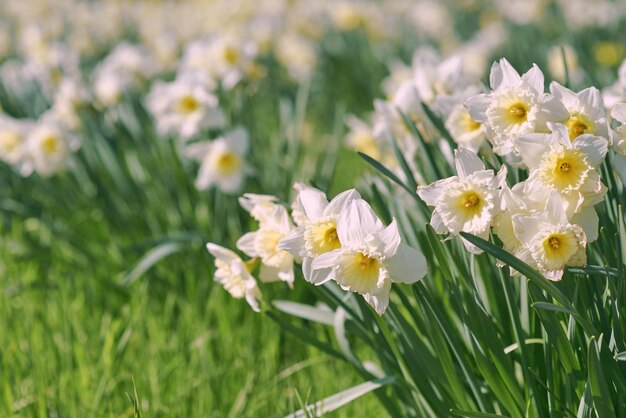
column 371, row 256
column 516, row 106
column 586, row 111
column 467, row 202
column 276, row 263
column 317, row 235
column 232, row 273
column 570, row 168
column 549, row 240
column 222, row 161
column 184, row 107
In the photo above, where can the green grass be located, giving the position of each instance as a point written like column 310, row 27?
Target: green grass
column 73, row 341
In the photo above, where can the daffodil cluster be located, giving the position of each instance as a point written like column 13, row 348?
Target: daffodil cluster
column 557, row 141
column 342, row 240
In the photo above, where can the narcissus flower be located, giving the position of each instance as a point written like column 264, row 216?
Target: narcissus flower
column 516, row 106
column 222, row 161
column 549, row 240
column 466, row 202
column 233, row 274
column 371, row 256
column 619, row 140
column 586, row 111
column 184, row 107
column 616, row 93
column 49, row 148
column 13, row 134
column 317, row 235
column 274, row 225
column 570, row 168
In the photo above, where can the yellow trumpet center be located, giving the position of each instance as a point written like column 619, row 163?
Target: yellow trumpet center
column 518, row 112
column 322, row 237
column 231, row 55
column 228, row 163
column 50, row 144
column 578, row 125
column 188, row 104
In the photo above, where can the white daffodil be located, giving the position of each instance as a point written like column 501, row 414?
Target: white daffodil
column 48, row 148
column 317, row 235
column 297, row 54
column 371, row 256
column 513, row 202
column 570, row 168
column 467, row 202
column 465, row 131
column 549, row 240
column 222, row 161
column 616, row 93
column 276, row 263
column 125, row 68
column 184, row 107
column 232, row 273
column 618, row 113
column 516, row 106
column 361, row 138
column 13, row 136
column 220, row 58
column 586, row 111
column 437, row 78
column 69, row 98
column 258, row 205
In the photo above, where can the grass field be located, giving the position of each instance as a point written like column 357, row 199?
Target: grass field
column 129, row 131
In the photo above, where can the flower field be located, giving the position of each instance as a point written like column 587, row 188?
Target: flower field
column 292, row 208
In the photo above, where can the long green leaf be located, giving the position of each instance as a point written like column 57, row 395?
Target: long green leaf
column 340, row 399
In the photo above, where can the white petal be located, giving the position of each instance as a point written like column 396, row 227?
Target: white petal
column 294, row 242
column 564, row 94
column 588, row 220
column 430, row 194
column 619, row 112
column 356, row 222
column 246, row 244
column 408, row 265
column 477, row 106
column 340, row 201
column 326, row 260
column 592, row 97
column 467, row 162
column 379, row 300
column 526, row 227
column 390, row 237
column 503, row 74
column 315, row 276
column 313, row 202
column 534, row 78
column 594, row 147
column 238, row 140
column 221, row 253
column 554, row 209
column 268, row 274
column 532, row 148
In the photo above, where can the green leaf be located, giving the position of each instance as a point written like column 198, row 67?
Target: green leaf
column 152, row 257
column 621, row 356
column 532, row 275
column 594, row 271
column 472, row 414
column 308, row 312
column 385, row 171
column 597, row 383
column 342, row 398
column 552, row 307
